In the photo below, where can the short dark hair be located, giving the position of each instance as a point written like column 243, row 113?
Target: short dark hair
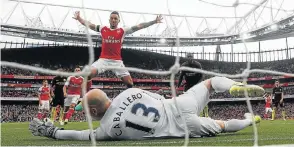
column 114, row 12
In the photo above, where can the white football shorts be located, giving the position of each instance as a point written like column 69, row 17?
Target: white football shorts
column 71, row 99
column 44, row 105
column 192, row 104
column 101, row 63
column 268, row 110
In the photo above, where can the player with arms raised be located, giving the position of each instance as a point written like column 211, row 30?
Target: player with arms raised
column 44, row 100
column 58, row 97
column 140, row 114
column 268, row 102
column 278, row 100
column 72, row 90
column 112, row 39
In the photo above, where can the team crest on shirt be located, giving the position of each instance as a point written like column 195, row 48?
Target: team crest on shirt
column 118, row 31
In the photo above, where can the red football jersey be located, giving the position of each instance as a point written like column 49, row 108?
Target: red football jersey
column 112, row 40
column 268, row 102
column 74, row 85
column 44, row 93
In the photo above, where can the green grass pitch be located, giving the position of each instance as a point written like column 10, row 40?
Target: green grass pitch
column 270, row 132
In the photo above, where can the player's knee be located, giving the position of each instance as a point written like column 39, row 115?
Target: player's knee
column 207, row 83
column 128, row 80
column 94, row 72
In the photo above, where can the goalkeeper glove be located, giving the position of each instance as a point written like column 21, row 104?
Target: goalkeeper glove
column 39, row 128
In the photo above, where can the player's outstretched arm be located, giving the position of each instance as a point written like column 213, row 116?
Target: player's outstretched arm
column 47, row 129
column 145, row 24
column 83, row 22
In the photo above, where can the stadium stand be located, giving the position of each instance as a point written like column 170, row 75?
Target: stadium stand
column 17, row 83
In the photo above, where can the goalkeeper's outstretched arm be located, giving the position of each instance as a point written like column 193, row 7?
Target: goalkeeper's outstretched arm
column 79, row 135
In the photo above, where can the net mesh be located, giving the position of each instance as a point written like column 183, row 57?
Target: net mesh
column 172, row 71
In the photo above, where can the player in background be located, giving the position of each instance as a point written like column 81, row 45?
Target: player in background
column 278, row 100
column 44, row 100
column 112, row 39
column 137, row 114
column 89, row 85
column 192, row 76
column 268, row 102
column 57, row 97
column 72, row 90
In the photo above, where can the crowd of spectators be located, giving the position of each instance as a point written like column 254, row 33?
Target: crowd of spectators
column 114, row 92
column 221, row 67
column 19, row 93
column 142, row 60
column 230, row 111
column 22, row 113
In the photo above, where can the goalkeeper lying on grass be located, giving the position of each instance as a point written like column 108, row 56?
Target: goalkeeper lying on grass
column 140, row 114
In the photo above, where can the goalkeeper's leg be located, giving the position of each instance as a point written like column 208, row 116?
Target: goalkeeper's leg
column 197, row 97
column 222, row 84
column 235, row 125
column 203, row 126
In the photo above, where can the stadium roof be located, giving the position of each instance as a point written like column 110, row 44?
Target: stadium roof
column 193, row 18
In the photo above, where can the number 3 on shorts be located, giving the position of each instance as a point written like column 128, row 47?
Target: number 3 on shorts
column 146, row 111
